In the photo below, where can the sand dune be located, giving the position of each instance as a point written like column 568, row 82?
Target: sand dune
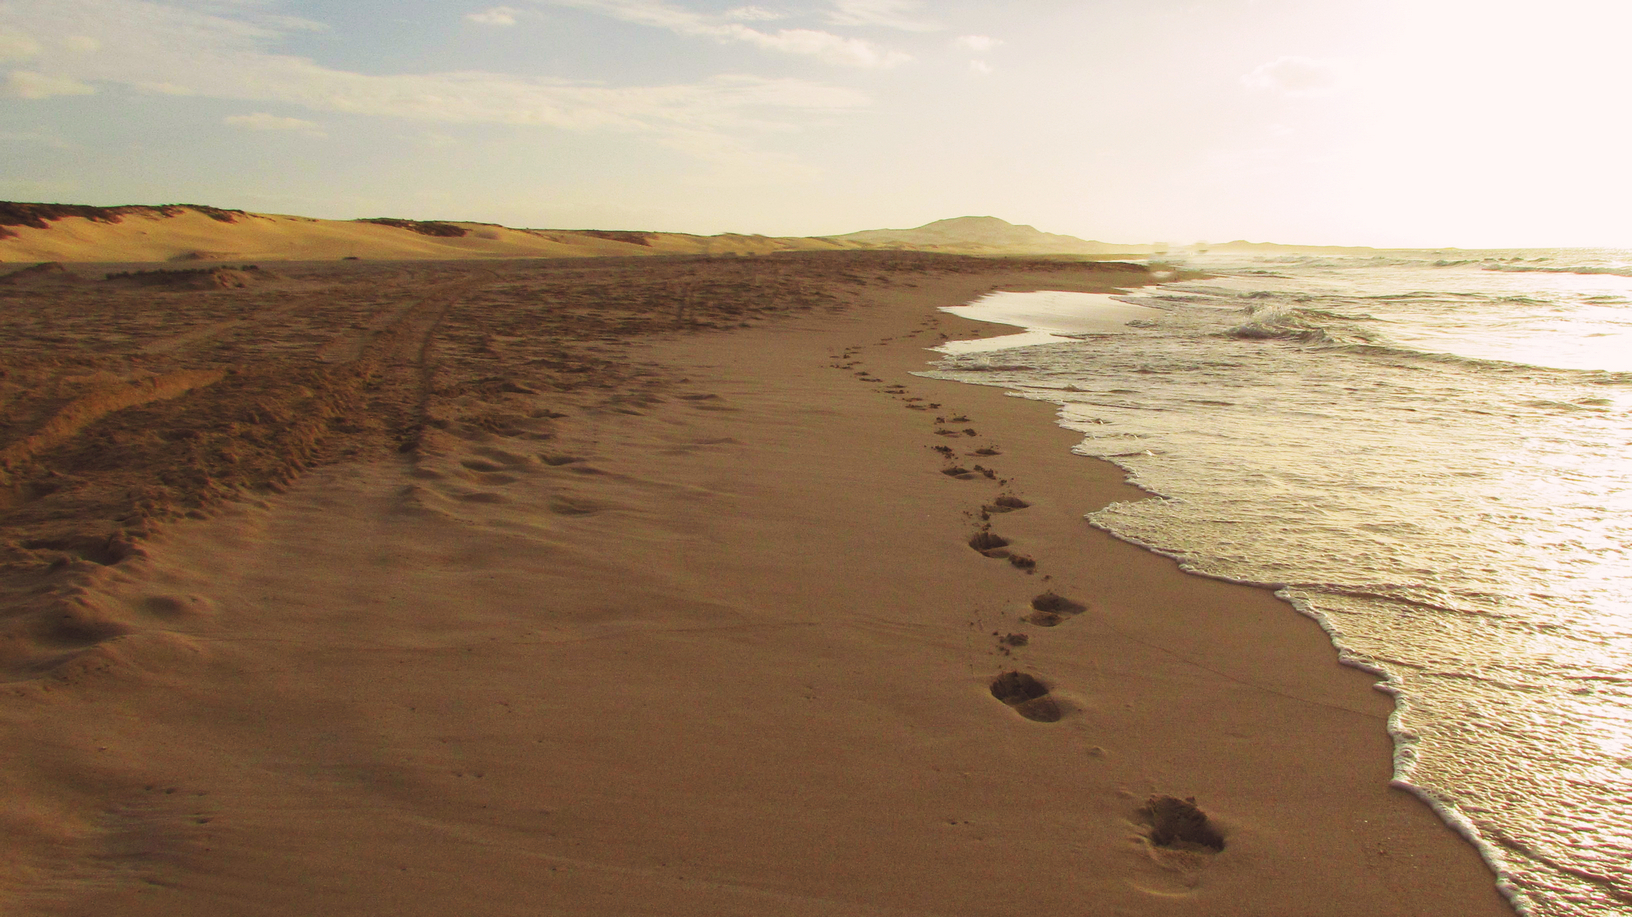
column 43, row 232
column 193, row 234
column 618, row 588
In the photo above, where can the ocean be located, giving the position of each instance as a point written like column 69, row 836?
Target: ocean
column 1430, row 454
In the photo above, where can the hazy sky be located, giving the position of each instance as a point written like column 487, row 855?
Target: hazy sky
column 1386, row 122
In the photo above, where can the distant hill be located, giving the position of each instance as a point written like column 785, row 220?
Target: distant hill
column 984, row 235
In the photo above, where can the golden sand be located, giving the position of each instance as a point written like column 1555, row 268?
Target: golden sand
column 622, row 588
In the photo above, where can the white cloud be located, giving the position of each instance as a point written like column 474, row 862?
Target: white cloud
column 978, row 43
column 980, row 66
column 498, row 15
column 165, row 88
column 1301, row 77
column 186, row 51
column 16, row 46
column 26, row 84
column 894, row 14
column 83, row 44
column 36, row 138
column 835, row 49
column 751, row 14
column 222, row 51
column 747, row 164
column 261, row 121
column 826, row 46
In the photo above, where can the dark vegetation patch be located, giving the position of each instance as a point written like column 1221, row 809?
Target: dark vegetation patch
column 196, row 278
column 165, row 275
column 40, row 216
column 627, row 238
column 48, row 271
column 423, row 227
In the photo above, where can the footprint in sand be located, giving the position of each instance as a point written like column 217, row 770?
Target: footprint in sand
column 1026, row 696
column 556, row 461
column 1050, row 610
column 1005, row 504
column 1179, row 825
column 990, row 544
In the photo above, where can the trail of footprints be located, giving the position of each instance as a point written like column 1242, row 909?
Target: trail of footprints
column 1172, row 826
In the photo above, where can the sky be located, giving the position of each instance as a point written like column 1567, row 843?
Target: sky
column 1425, row 123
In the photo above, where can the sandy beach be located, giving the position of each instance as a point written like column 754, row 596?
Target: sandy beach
column 631, row 588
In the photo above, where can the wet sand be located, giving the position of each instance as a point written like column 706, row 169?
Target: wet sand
column 610, row 588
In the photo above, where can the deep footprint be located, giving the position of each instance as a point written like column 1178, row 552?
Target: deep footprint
column 1179, row 824
column 989, row 544
column 1027, row 696
column 1005, row 504
column 1049, row 609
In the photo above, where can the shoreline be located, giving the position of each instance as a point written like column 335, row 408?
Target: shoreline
column 1005, row 327
column 715, row 641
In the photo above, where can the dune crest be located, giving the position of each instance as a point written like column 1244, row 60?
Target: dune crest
column 192, row 232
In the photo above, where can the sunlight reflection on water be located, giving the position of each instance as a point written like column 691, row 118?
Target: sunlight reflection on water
column 1434, row 462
